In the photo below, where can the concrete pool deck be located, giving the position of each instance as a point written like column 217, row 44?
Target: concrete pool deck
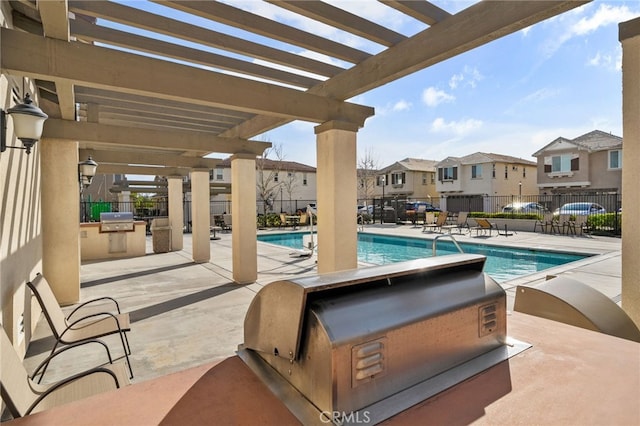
column 186, row 314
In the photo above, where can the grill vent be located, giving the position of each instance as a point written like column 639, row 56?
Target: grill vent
column 488, row 319
column 367, row 361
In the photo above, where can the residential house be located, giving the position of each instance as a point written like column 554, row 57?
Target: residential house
column 410, row 179
column 470, row 183
column 591, row 163
column 282, row 185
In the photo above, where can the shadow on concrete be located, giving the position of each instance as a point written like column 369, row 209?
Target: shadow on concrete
column 114, row 278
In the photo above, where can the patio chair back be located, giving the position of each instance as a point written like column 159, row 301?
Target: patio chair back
column 430, row 217
column 49, row 304
column 226, row 218
column 442, row 218
column 14, row 380
column 483, row 223
column 462, row 219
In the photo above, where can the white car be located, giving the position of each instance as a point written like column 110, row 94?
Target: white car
column 580, row 209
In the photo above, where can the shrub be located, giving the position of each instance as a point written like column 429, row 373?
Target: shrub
column 533, row 216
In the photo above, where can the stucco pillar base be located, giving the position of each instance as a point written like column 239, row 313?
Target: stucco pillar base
column 61, row 218
column 200, row 217
column 337, row 196
column 176, row 212
column 243, row 218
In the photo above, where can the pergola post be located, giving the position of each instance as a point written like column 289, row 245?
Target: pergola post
column 176, row 211
column 337, row 196
column 200, row 215
column 244, row 250
column 60, row 218
column 629, row 35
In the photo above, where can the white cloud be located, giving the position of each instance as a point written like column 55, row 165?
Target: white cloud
column 433, row 97
column 540, row 95
column 455, row 80
column 440, row 125
column 469, row 77
column 574, row 25
column 402, row 106
column 605, row 15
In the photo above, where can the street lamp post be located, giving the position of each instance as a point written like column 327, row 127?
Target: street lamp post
column 383, row 179
column 520, row 191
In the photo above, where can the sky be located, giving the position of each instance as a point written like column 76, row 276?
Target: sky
column 513, row 96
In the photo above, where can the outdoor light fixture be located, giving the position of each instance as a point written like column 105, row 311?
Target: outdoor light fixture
column 86, row 171
column 28, row 120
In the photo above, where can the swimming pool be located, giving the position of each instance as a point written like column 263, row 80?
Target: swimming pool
column 503, row 263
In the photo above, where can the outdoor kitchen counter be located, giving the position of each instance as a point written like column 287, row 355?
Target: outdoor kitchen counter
column 95, row 244
column 569, row 376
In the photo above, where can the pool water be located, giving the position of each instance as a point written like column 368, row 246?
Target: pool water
column 503, row 263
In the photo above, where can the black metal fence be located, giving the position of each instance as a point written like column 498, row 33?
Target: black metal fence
column 607, row 220
column 394, row 209
column 150, row 209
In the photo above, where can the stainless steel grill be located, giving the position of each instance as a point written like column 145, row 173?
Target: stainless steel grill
column 116, row 222
column 372, row 342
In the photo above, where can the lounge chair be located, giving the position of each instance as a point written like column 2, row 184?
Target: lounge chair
column 579, row 223
column 482, row 225
column 226, row 222
column 440, row 221
column 76, row 327
column 461, row 223
column 420, row 214
column 23, row 396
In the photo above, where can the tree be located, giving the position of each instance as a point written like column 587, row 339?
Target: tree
column 267, row 176
column 290, row 183
column 368, row 167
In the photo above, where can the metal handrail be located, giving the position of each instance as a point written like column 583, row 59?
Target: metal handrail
column 435, row 240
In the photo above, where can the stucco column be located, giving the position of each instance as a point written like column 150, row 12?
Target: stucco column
column 630, row 39
column 124, row 201
column 176, row 212
column 200, row 217
column 337, row 195
column 244, row 249
column 60, row 218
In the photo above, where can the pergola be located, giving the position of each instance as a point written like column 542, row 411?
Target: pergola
column 164, row 92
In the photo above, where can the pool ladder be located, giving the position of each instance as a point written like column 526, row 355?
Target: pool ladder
column 435, row 241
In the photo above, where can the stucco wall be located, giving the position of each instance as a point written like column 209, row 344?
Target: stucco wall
column 20, row 228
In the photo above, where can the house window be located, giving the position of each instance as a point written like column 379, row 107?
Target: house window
column 275, row 177
column 493, row 171
column 379, row 180
column 424, row 179
column 398, row 178
column 615, row 159
column 476, row 171
column 562, row 163
column 447, row 173
column 433, row 178
column 304, row 179
column 506, row 172
column 218, row 173
column 524, row 172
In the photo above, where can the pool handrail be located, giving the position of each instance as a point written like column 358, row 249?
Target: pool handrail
column 435, row 240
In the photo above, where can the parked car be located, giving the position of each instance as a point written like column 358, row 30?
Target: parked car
column 580, row 209
column 415, row 206
column 362, row 209
column 521, row 207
